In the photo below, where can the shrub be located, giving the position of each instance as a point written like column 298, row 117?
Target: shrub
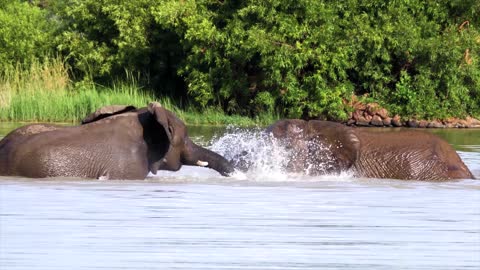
column 296, row 59
column 26, row 34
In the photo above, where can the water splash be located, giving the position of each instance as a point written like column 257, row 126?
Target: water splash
column 256, row 152
column 265, row 158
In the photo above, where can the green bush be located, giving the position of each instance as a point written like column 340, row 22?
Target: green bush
column 410, row 56
column 297, row 59
column 26, row 34
column 103, row 39
column 416, row 58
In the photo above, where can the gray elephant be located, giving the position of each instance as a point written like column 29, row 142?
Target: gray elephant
column 115, row 142
column 321, row 147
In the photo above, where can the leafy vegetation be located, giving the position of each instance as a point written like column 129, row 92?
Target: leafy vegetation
column 43, row 92
column 266, row 57
column 26, row 34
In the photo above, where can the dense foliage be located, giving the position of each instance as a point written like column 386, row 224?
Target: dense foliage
column 26, row 33
column 302, row 58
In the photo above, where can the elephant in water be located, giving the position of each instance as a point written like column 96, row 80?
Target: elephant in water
column 115, row 142
column 321, row 147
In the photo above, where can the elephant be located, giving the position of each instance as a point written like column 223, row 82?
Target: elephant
column 322, row 147
column 114, row 142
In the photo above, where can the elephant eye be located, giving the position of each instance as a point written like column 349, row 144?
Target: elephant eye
column 170, row 129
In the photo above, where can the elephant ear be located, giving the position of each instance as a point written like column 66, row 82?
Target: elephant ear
column 343, row 141
column 172, row 125
column 107, row 111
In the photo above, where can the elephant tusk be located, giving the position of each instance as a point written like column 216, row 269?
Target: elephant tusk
column 202, row 163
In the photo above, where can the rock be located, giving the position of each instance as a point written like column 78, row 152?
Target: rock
column 472, row 122
column 396, row 121
column 357, row 114
column 422, row 124
column 383, row 113
column 450, row 120
column 363, row 121
column 372, row 114
column 359, row 106
column 368, row 117
column 462, row 124
column 377, row 121
column 412, row 123
column 372, row 108
column 468, row 122
column 435, row 124
column 387, row 121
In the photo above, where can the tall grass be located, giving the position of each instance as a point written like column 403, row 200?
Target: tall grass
column 44, row 93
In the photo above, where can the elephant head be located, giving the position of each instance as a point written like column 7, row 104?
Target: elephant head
column 316, row 147
column 160, row 126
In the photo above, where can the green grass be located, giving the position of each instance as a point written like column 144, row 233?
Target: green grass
column 66, row 106
column 44, row 93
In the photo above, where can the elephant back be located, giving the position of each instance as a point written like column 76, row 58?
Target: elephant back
column 107, row 111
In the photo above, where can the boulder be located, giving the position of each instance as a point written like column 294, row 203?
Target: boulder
column 350, row 122
column 412, row 123
column 372, row 108
column 472, row 122
column 377, row 121
column 363, row 121
column 396, row 121
column 450, row 120
column 422, row 124
column 383, row 113
column 357, row 115
column 387, row 121
column 435, row 124
column 368, row 117
column 462, row 124
column 358, row 106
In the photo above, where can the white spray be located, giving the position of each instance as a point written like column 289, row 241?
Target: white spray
column 266, row 158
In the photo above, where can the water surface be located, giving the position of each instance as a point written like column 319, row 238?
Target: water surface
column 196, row 219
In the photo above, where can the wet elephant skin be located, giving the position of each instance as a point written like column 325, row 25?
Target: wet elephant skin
column 114, row 142
column 404, row 154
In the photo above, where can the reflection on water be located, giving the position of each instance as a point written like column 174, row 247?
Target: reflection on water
column 196, row 219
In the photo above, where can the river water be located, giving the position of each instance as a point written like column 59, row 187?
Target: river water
column 266, row 219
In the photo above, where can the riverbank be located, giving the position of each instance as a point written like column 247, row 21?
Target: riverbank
column 373, row 115
column 45, row 93
column 50, row 97
column 70, row 106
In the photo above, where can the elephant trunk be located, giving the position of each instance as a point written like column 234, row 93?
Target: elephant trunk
column 200, row 156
